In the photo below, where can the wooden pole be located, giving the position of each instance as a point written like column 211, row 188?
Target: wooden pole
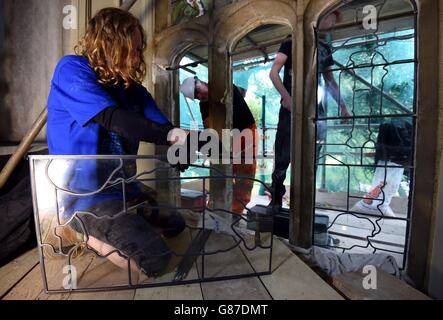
column 127, row 5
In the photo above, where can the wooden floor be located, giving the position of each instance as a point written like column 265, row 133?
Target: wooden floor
column 387, row 287
column 291, row 280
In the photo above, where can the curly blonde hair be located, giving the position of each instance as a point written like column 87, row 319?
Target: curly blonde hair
column 110, row 47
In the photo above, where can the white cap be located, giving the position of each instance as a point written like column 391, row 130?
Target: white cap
column 188, row 88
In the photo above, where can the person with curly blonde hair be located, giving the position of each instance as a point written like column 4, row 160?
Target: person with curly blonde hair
column 114, row 44
column 98, row 106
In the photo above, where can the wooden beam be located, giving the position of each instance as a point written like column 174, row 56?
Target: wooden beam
column 294, row 280
column 388, row 287
column 230, row 263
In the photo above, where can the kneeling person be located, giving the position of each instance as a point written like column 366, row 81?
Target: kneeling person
column 97, row 106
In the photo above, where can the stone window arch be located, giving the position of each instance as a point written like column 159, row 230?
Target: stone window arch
column 421, row 204
column 227, row 29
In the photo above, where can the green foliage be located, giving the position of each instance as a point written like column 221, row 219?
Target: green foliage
column 357, row 145
column 255, row 104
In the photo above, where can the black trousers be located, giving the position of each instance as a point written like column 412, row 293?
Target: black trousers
column 282, row 155
column 130, row 233
column 283, row 150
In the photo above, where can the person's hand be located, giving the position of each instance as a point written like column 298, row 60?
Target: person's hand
column 177, row 135
column 287, row 102
column 180, row 137
column 181, row 167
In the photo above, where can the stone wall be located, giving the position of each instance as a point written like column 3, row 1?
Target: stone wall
column 33, row 43
column 436, row 263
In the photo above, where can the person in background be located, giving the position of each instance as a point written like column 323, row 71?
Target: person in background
column 193, row 88
column 283, row 137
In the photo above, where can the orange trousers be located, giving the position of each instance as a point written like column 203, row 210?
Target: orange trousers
column 242, row 188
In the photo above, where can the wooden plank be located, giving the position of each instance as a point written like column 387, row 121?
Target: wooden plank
column 230, row 263
column 294, row 280
column 224, row 264
column 92, row 273
column 178, row 245
column 183, row 292
column 55, row 278
column 29, row 288
column 16, row 270
column 388, row 287
column 102, row 273
column 259, row 258
column 55, row 273
column 239, row 289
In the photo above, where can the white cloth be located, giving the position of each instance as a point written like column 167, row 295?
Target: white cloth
column 334, row 263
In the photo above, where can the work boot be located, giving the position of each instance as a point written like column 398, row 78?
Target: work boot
column 171, row 223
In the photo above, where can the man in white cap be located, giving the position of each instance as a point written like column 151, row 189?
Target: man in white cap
column 193, row 88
